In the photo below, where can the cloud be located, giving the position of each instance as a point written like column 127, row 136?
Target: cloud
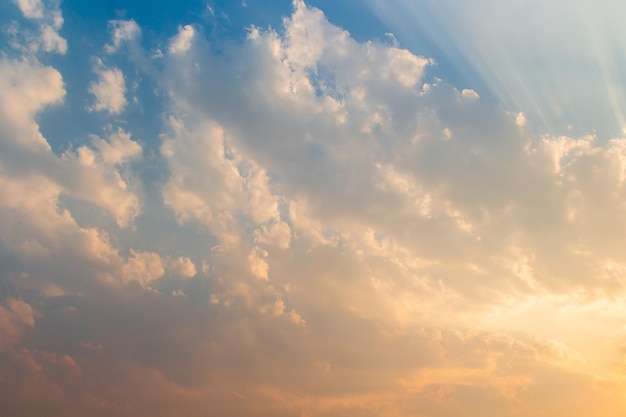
column 50, row 21
column 183, row 267
column 109, row 91
column 28, row 163
column 210, row 182
column 32, row 9
column 28, row 86
column 182, row 41
column 52, row 41
column 143, row 267
column 470, row 215
column 122, row 31
column 370, row 243
column 13, row 318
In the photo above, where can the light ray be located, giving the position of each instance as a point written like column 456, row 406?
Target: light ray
column 558, row 62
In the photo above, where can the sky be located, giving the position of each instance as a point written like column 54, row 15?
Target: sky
column 362, row 208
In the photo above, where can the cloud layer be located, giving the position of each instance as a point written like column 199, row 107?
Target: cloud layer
column 313, row 230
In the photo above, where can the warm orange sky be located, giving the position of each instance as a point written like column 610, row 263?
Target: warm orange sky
column 293, row 222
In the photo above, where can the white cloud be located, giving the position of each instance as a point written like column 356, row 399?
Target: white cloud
column 183, row 40
column 52, row 41
column 209, row 197
column 119, row 149
column 275, row 234
column 212, row 183
column 101, row 178
column 27, row 87
column 109, row 90
column 122, row 31
column 143, row 267
column 182, row 267
column 86, row 173
column 459, row 179
column 32, row 9
column 469, row 93
column 258, row 264
column 50, row 21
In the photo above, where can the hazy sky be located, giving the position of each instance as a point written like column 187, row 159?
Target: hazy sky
column 369, row 208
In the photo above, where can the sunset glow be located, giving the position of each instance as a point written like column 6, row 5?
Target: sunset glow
column 369, row 208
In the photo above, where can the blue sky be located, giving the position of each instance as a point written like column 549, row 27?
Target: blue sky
column 356, row 208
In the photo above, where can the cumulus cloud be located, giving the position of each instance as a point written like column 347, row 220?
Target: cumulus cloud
column 50, row 21
column 370, row 243
column 182, row 267
column 52, row 41
column 182, row 41
column 109, row 91
column 28, row 163
column 32, row 9
column 122, row 31
column 15, row 316
column 212, row 183
column 143, row 267
column 28, row 86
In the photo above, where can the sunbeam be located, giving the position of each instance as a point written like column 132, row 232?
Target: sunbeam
column 559, row 62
